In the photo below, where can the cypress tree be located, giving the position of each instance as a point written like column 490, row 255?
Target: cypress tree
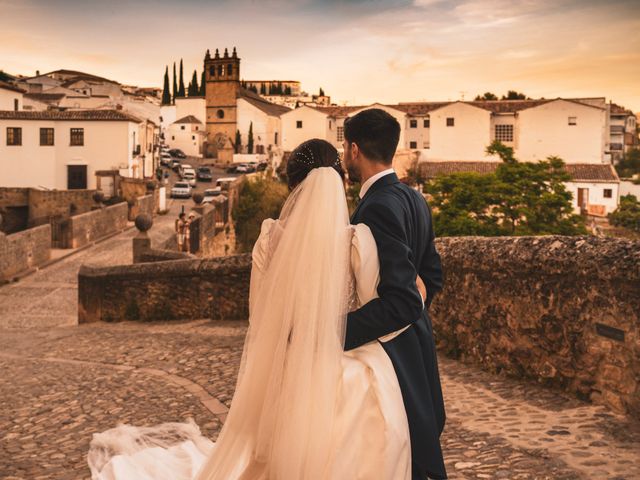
column 166, row 93
column 263, row 91
column 238, row 144
column 181, row 88
column 193, row 86
column 175, row 83
column 250, row 140
column 203, row 86
column 321, row 93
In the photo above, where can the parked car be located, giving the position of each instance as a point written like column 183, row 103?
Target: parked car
column 232, row 168
column 204, row 174
column 242, row 168
column 174, row 164
column 189, row 175
column 181, row 190
column 211, row 193
column 262, row 166
column 176, row 152
column 183, row 167
column 223, row 183
column 165, row 159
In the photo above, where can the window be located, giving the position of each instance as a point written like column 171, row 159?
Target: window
column 212, row 71
column 340, row 133
column 173, row 137
column 413, row 123
column 413, row 145
column 608, row 193
column 450, row 121
column 425, row 145
column 219, row 70
column 46, row 136
column 181, row 127
column 196, row 128
column 299, row 124
column 77, row 137
column 220, row 113
column 573, row 120
column 426, row 123
column 193, row 137
column 14, row 136
column 230, row 69
column 504, row 133
column 16, row 104
column 275, row 139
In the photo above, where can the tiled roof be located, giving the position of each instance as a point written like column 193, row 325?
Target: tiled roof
column 9, row 86
column 103, row 115
column 337, row 111
column 266, row 106
column 580, row 172
column 508, row 106
column 419, row 108
column 188, row 119
column 45, row 97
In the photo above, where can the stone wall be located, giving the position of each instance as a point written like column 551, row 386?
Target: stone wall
column 47, row 203
column 91, row 226
column 14, row 208
column 562, row 311
column 145, row 204
column 23, row 251
column 179, row 289
column 545, row 308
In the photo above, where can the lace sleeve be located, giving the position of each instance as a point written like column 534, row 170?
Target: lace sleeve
column 260, row 260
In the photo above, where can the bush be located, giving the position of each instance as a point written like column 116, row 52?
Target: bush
column 260, row 198
column 627, row 214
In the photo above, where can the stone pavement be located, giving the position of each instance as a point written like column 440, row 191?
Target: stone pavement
column 60, row 385
column 49, row 297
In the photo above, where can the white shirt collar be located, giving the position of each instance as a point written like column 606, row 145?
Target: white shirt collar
column 367, row 185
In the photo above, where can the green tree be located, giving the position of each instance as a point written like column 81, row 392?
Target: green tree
column 238, row 142
column 4, row 77
column 263, row 90
column 513, row 95
column 250, row 139
column 630, row 164
column 321, row 92
column 259, row 199
column 166, row 93
column 203, row 86
column 627, row 214
column 175, row 83
column 487, row 96
column 194, row 89
column 287, row 90
column 181, row 87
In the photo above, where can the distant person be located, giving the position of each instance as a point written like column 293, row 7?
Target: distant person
column 181, row 229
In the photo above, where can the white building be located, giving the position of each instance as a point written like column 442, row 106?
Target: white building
column 264, row 119
column 11, row 97
column 64, row 149
column 188, row 134
column 623, row 136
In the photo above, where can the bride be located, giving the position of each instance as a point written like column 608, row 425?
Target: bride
column 303, row 408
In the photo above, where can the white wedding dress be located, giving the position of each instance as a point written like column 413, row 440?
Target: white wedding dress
column 303, row 409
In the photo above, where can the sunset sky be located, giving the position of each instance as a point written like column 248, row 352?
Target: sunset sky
column 359, row 51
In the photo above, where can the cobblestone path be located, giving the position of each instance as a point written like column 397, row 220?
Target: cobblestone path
column 60, row 385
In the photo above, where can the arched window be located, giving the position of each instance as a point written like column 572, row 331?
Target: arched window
column 212, row 71
column 220, row 113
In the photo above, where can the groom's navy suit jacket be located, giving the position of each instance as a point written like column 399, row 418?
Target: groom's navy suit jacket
column 400, row 221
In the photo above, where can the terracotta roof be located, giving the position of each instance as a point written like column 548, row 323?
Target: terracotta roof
column 619, row 110
column 508, row 106
column 188, row 119
column 418, row 108
column 9, row 86
column 104, row 115
column 266, row 106
column 337, row 111
column 580, row 172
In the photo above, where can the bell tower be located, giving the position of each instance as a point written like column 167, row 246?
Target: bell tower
column 222, row 78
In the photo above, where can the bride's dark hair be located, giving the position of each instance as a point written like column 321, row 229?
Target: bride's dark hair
column 314, row 153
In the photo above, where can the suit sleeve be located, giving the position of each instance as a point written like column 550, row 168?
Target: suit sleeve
column 399, row 302
column 431, row 267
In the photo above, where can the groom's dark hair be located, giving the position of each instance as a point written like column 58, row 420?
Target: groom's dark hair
column 376, row 133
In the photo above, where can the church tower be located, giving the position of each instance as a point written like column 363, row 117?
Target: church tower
column 222, row 77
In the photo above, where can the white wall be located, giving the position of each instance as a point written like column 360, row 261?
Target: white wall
column 595, row 194
column 544, row 131
column 107, row 144
column 168, row 116
column 420, row 134
column 466, row 140
column 314, row 125
column 627, row 187
column 188, row 137
column 264, row 126
column 195, row 106
column 8, row 98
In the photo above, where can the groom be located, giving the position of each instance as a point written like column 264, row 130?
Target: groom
column 400, row 221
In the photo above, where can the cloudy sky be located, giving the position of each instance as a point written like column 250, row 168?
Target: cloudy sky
column 359, row 51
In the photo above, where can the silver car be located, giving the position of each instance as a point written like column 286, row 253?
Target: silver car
column 181, row 190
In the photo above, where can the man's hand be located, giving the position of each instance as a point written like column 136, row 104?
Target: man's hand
column 422, row 288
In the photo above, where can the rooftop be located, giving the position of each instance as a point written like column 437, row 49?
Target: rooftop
column 90, row 115
column 9, row 86
column 580, row 172
column 266, row 106
column 188, row 119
